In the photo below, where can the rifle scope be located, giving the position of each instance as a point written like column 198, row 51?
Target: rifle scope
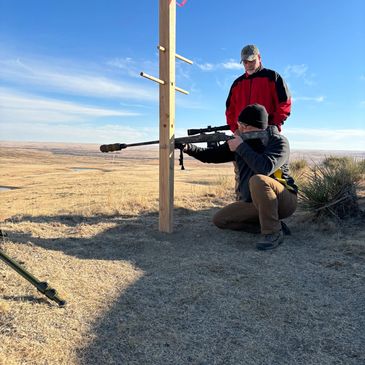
column 208, row 129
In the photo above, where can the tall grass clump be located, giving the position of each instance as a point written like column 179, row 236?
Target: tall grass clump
column 298, row 165
column 330, row 187
column 298, row 168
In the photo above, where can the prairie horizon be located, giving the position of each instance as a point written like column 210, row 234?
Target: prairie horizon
column 87, row 223
column 94, row 147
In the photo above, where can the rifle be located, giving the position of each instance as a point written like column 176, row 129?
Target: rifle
column 42, row 286
column 195, row 136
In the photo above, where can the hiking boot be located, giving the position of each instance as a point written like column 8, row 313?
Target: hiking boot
column 285, row 229
column 270, row 241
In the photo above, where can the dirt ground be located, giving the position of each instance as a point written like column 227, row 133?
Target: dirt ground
column 87, row 224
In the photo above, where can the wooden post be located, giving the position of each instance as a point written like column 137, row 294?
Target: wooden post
column 167, row 46
column 167, row 33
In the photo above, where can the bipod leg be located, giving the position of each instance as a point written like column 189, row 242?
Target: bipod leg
column 42, row 286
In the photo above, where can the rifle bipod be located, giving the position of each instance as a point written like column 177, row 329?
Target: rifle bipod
column 41, row 286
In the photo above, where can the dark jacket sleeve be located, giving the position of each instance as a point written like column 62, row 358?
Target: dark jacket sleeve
column 282, row 99
column 275, row 155
column 218, row 154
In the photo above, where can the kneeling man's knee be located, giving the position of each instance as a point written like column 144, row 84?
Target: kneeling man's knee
column 257, row 180
column 219, row 220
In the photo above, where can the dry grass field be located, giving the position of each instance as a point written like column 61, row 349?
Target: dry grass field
column 88, row 224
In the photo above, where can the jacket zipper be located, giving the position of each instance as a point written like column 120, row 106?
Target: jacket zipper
column 249, row 95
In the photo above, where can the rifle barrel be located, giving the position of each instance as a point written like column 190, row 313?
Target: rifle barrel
column 195, row 138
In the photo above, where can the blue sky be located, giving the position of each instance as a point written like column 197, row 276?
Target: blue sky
column 69, row 70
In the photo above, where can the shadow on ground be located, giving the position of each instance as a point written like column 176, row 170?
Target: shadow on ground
column 207, row 297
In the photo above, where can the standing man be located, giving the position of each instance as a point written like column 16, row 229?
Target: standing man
column 257, row 85
column 267, row 191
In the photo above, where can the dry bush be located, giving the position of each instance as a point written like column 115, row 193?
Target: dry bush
column 361, row 164
column 297, row 165
column 330, row 188
column 298, row 170
column 223, row 187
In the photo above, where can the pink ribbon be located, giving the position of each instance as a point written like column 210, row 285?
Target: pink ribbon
column 181, row 4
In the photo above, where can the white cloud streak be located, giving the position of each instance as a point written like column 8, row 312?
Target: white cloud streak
column 317, row 99
column 77, row 133
column 228, row 65
column 69, row 81
column 131, row 67
column 326, row 139
column 24, row 108
column 299, row 72
column 73, row 82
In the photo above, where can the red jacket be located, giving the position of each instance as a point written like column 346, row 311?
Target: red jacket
column 265, row 87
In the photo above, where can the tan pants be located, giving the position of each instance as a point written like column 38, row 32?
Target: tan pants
column 271, row 201
column 236, row 181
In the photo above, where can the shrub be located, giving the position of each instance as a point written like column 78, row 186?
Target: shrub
column 361, row 164
column 298, row 165
column 334, row 161
column 330, row 188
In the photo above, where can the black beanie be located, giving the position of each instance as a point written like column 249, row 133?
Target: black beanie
column 255, row 115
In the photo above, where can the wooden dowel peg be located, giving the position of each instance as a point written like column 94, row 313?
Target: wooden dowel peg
column 155, row 79
column 163, row 49
column 183, row 59
column 181, row 90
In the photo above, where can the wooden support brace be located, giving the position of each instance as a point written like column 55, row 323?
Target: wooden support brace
column 163, row 49
column 161, row 82
column 155, row 79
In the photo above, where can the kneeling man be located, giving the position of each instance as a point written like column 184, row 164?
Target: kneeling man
column 267, row 192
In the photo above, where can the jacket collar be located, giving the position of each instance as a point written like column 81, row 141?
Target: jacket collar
column 247, row 76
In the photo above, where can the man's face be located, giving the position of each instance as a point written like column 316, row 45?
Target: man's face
column 252, row 66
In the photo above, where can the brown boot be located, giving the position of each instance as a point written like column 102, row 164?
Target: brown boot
column 270, row 241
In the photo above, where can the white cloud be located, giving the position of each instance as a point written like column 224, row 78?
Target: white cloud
column 72, row 81
column 16, row 107
column 299, row 71
column 228, row 65
column 132, row 67
column 206, row 66
column 296, row 70
column 317, row 99
column 326, row 139
column 77, row 133
column 232, row 65
column 330, row 133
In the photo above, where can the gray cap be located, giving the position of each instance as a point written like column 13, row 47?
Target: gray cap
column 249, row 53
